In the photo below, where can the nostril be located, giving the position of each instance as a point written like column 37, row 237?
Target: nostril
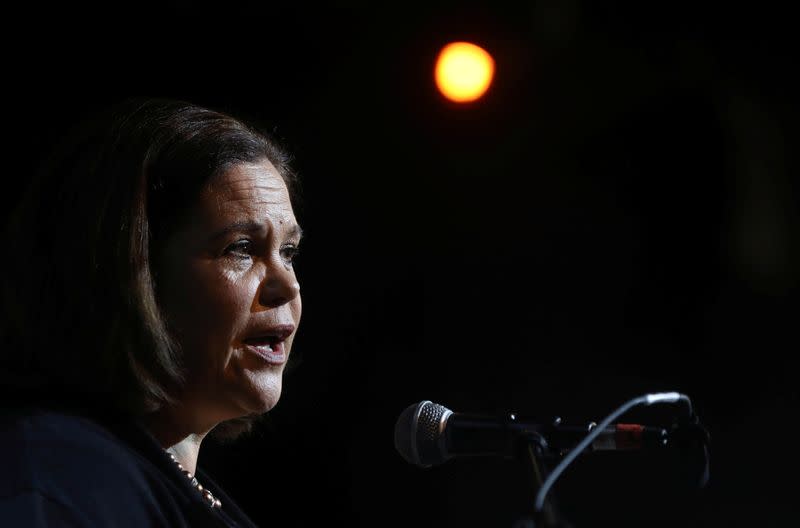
column 277, row 292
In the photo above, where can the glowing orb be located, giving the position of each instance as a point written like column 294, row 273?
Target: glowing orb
column 463, row 72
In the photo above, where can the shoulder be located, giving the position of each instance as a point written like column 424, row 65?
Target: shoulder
column 57, row 463
column 32, row 508
column 42, row 448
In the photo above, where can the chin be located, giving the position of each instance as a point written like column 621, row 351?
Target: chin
column 265, row 397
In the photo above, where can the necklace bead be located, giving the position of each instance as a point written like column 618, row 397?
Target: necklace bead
column 207, row 495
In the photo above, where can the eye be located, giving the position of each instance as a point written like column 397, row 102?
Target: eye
column 289, row 252
column 240, row 249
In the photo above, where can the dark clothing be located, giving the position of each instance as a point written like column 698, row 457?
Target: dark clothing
column 64, row 469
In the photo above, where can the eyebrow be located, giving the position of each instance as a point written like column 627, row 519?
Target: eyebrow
column 250, row 226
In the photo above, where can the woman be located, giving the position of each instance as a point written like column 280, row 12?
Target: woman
column 150, row 301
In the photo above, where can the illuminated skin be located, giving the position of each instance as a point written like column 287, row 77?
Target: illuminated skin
column 227, row 276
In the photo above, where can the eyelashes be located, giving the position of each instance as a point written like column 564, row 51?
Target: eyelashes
column 245, row 249
column 240, row 249
column 289, row 252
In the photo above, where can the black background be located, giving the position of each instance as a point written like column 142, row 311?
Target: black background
column 618, row 215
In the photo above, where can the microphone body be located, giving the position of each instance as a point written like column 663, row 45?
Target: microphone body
column 428, row 433
column 475, row 435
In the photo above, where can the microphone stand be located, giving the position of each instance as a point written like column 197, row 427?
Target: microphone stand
column 531, row 449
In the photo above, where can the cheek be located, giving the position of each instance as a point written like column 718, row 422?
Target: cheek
column 212, row 305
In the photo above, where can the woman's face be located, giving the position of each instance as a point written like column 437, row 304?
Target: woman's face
column 228, row 288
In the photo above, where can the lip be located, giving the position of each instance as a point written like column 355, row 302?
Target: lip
column 268, row 342
column 279, row 331
column 274, row 354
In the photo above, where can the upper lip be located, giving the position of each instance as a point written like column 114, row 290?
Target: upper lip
column 277, row 332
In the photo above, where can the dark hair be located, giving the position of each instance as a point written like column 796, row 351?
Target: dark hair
column 82, row 321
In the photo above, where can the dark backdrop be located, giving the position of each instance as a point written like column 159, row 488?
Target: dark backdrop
column 617, row 216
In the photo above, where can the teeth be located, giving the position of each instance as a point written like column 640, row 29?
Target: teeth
column 261, row 344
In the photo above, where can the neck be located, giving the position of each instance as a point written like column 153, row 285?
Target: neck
column 187, row 451
column 175, row 430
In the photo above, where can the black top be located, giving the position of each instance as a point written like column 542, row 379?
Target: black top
column 63, row 469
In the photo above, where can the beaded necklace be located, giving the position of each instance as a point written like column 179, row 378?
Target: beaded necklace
column 207, row 495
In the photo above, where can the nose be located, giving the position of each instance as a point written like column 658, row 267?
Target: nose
column 279, row 287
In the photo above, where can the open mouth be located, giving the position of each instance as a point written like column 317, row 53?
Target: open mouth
column 269, row 348
column 267, row 342
column 264, row 341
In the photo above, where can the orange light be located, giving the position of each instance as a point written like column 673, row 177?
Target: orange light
column 463, row 72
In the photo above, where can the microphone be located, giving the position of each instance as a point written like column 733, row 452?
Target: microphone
column 428, row 434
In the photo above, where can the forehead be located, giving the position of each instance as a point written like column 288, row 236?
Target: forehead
column 248, row 190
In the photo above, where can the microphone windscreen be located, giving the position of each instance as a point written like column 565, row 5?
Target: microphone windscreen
column 418, row 433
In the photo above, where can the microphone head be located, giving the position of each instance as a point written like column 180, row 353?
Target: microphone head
column 419, row 433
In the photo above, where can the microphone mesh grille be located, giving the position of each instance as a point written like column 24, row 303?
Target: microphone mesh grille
column 418, row 431
column 428, row 432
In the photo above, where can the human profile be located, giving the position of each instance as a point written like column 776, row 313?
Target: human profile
column 150, row 301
